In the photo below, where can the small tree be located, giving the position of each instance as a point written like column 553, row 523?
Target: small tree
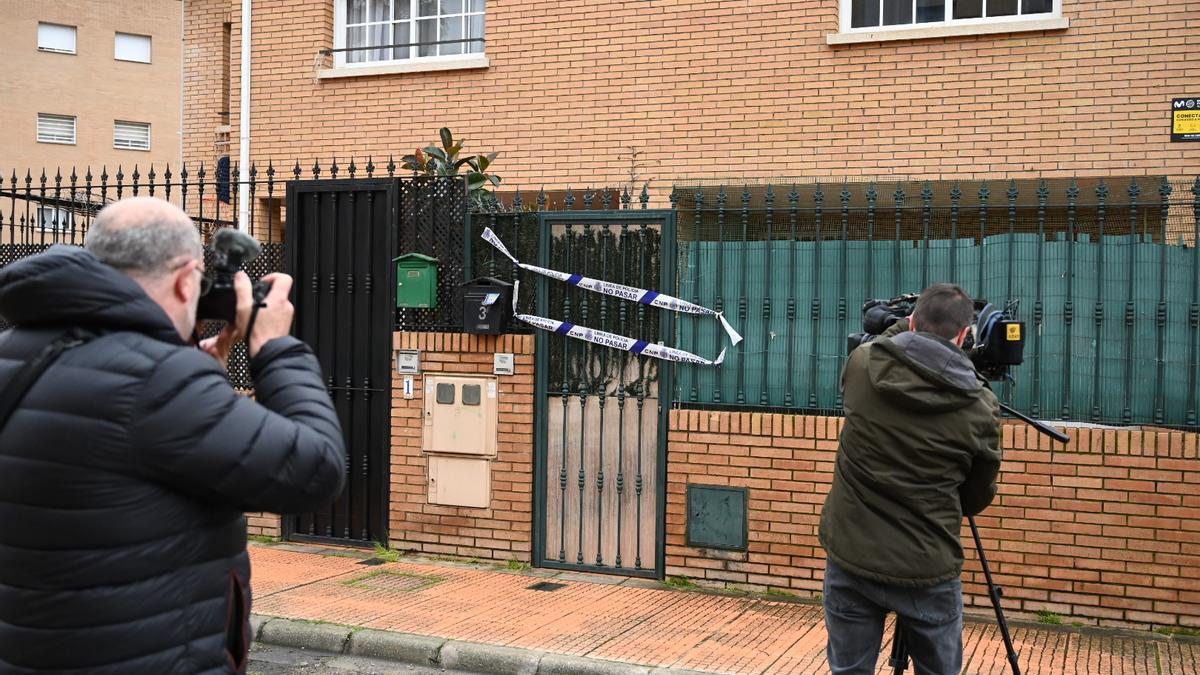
column 445, row 161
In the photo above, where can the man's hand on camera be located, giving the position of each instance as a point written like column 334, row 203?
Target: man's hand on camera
column 220, row 344
column 274, row 317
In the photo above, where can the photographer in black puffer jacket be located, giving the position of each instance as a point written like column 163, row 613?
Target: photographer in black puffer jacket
column 127, row 466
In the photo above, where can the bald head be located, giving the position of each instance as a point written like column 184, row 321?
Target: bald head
column 142, row 236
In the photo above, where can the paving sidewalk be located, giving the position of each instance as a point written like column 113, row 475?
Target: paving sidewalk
column 482, row 618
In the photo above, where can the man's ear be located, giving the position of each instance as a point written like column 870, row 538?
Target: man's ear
column 181, row 283
column 962, row 336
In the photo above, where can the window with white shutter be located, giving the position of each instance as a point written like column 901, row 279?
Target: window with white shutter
column 55, row 129
column 131, row 47
column 53, row 37
column 131, row 135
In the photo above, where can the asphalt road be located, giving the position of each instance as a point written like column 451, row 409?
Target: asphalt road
column 269, row 660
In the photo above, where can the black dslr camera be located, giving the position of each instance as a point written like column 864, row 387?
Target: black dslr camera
column 231, row 250
column 995, row 343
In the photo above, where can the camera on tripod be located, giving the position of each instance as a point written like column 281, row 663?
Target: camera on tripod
column 995, row 343
column 231, row 250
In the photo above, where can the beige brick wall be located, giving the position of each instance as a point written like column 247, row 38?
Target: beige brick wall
column 91, row 85
column 503, row 531
column 735, row 89
column 1104, row 530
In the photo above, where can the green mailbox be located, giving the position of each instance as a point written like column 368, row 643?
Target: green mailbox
column 416, row 281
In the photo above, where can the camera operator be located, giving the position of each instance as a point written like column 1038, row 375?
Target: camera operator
column 918, row 452
column 126, row 467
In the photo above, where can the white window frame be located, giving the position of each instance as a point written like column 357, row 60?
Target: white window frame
column 74, row 129
column 61, row 219
column 116, row 41
column 344, row 68
column 1052, row 20
column 51, row 50
column 117, row 123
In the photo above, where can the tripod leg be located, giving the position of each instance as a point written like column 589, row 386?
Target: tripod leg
column 899, row 658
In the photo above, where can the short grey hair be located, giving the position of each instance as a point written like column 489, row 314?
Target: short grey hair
column 142, row 235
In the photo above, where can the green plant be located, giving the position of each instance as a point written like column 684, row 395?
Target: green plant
column 1049, row 618
column 679, row 582
column 445, row 161
column 517, row 565
column 263, row 539
column 386, row 554
column 776, row 592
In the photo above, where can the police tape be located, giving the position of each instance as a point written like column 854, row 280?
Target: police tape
column 606, row 339
column 640, row 295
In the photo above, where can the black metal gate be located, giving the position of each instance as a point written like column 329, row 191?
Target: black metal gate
column 600, row 477
column 340, row 239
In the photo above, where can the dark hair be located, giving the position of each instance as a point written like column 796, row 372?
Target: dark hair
column 944, row 310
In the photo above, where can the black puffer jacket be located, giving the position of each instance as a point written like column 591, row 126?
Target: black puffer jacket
column 125, row 472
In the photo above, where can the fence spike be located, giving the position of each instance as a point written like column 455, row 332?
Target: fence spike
column 1165, row 189
column 166, row 173
column 1013, row 193
column 28, row 179
column 569, row 200
column 391, row 166
column 253, row 174
column 333, row 168
column 150, row 175
column 58, row 176
column 43, row 179
column 605, row 201
column 316, row 170
column 200, row 174
column 351, row 169
column 136, row 175
column 370, row 167
column 296, row 170
column 516, row 202
column 1135, row 190
column 927, row 193
column 644, row 198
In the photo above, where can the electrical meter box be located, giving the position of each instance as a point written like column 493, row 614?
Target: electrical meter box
column 460, row 416
column 416, row 281
column 487, row 306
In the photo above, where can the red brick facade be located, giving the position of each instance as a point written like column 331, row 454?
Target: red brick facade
column 1104, row 530
column 504, row 530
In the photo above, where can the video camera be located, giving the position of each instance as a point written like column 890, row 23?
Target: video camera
column 231, row 250
column 995, row 342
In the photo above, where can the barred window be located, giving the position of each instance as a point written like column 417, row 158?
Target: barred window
column 131, row 135
column 876, row 14
column 55, row 128
column 374, row 31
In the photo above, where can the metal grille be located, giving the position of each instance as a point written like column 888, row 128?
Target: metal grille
column 432, row 214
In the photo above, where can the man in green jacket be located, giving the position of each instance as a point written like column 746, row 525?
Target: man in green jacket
column 920, row 449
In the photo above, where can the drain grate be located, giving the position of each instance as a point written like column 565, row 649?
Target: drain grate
column 385, row 580
column 546, row 586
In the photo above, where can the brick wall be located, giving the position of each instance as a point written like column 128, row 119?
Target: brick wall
column 264, row 525
column 735, row 89
column 502, row 531
column 1104, row 530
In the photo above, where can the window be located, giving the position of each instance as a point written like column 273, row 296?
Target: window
column 877, row 15
column 407, row 30
column 55, row 219
column 131, row 135
column 53, row 37
column 56, row 129
column 132, row 48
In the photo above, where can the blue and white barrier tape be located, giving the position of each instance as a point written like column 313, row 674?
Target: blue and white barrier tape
column 641, row 295
column 606, row 339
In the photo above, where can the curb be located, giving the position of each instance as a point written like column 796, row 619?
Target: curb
column 422, row 650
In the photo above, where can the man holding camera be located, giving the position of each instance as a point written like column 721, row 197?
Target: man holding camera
column 920, row 449
column 127, row 462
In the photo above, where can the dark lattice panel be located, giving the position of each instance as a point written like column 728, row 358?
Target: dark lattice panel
column 270, row 260
column 432, row 214
column 10, row 253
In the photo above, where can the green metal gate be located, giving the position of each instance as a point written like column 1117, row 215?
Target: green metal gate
column 600, row 468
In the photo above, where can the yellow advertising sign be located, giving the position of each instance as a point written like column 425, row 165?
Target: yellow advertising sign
column 1186, row 123
column 1185, row 119
column 1014, row 332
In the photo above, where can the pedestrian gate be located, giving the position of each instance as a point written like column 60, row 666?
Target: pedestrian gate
column 602, row 414
column 340, row 235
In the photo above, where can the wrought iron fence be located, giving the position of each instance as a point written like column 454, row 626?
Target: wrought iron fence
column 1107, row 274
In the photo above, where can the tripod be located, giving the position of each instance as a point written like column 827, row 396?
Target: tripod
column 899, row 657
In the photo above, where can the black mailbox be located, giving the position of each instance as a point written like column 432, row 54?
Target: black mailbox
column 487, row 305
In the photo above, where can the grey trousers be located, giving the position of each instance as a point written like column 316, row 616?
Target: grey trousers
column 855, row 608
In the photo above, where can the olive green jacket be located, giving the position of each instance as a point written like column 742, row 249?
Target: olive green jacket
column 920, row 449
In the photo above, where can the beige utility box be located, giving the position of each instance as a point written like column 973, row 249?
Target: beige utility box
column 459, row 439
column 460, row 481
column 460, row 415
